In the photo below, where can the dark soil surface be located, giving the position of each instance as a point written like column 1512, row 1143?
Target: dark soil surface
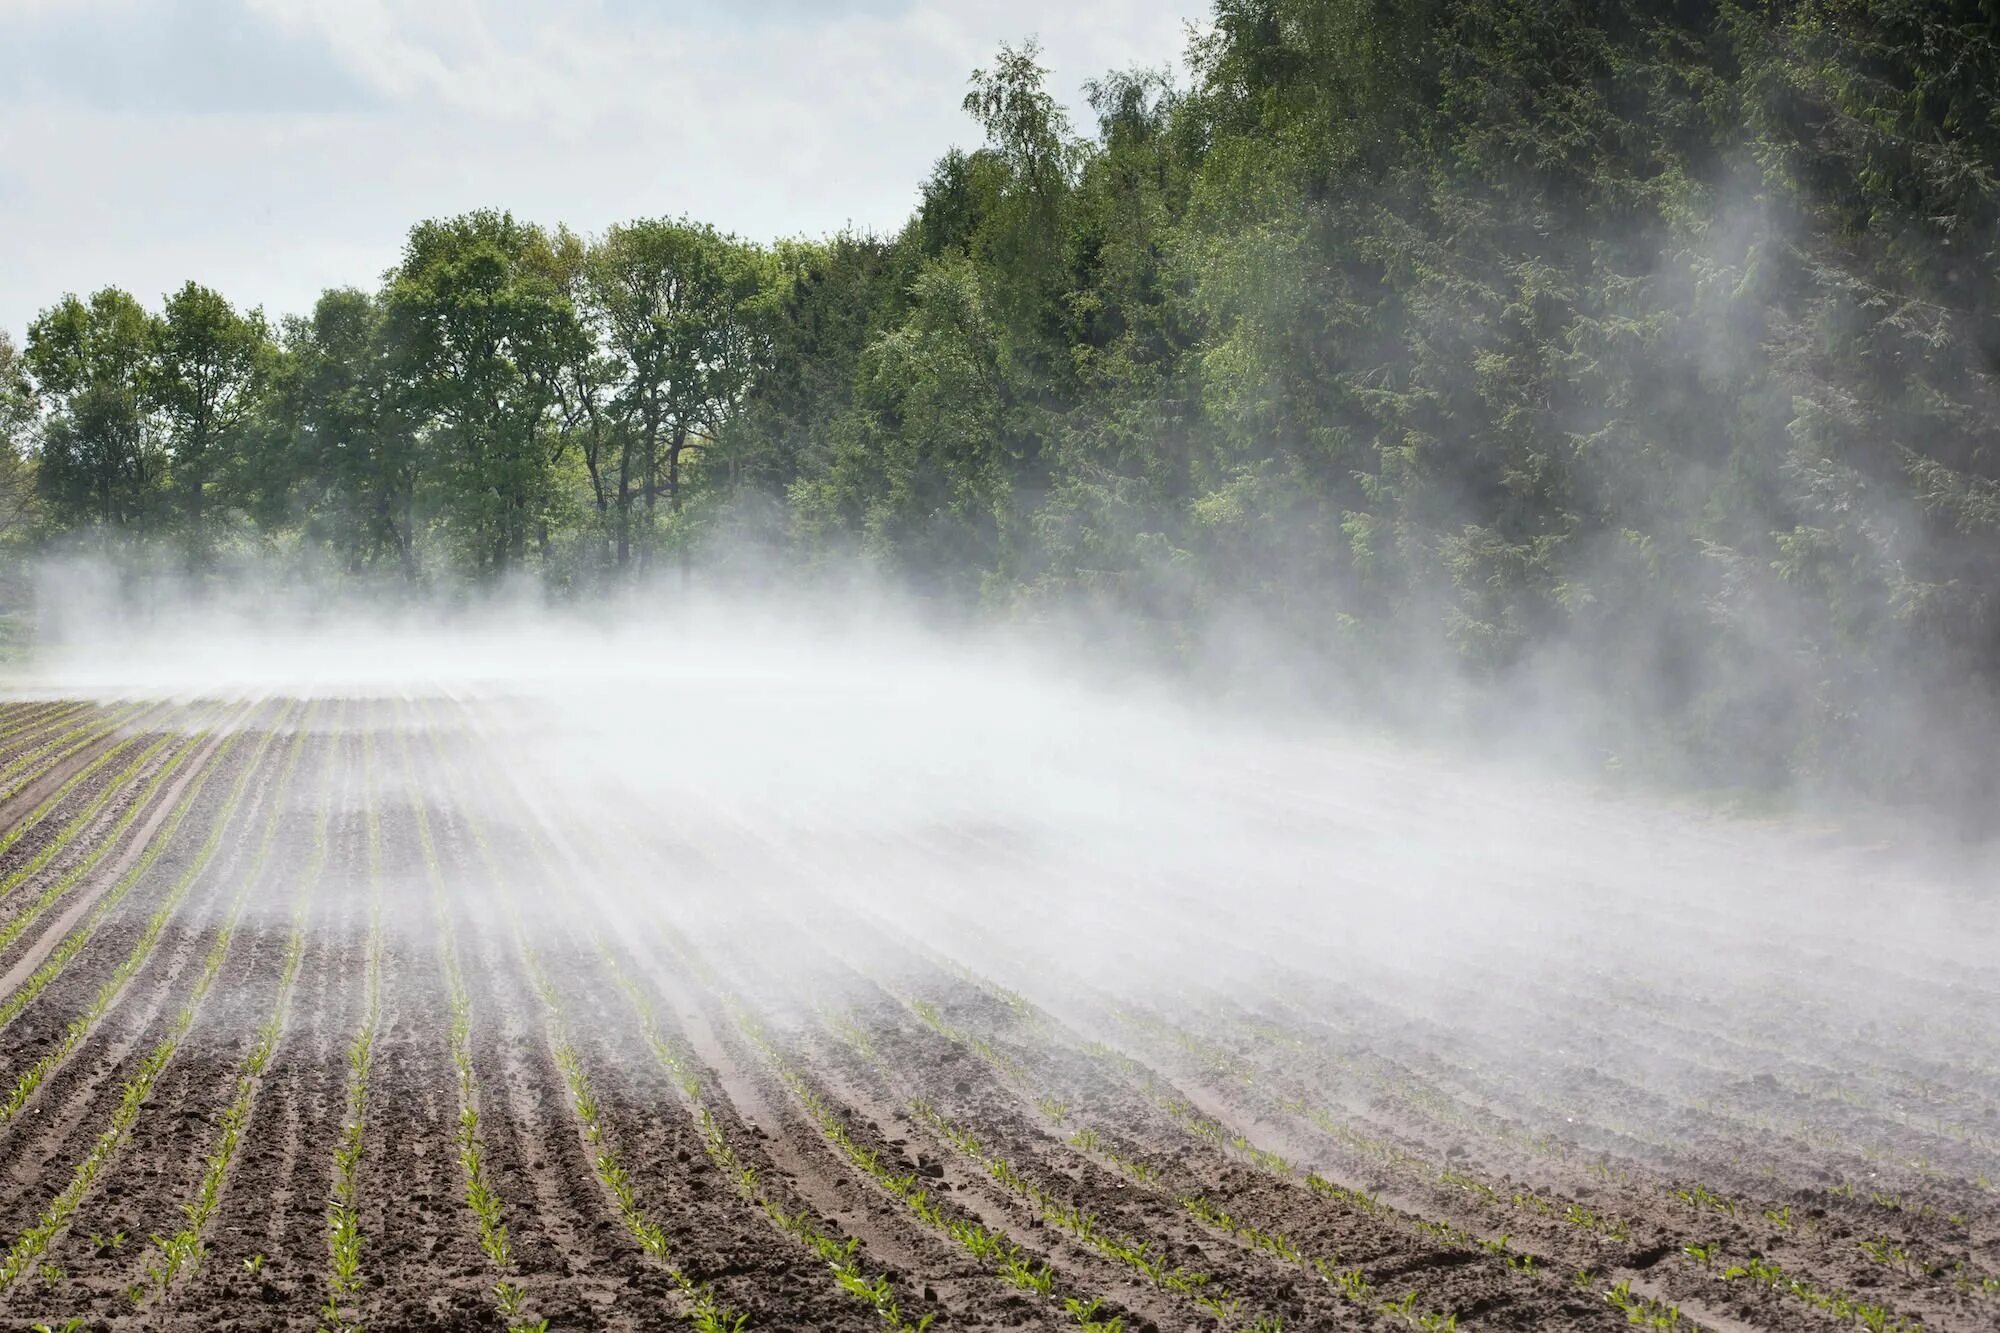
column 609, row 1085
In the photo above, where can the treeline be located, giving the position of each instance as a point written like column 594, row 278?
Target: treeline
column 1641, row 355
column 510, row 398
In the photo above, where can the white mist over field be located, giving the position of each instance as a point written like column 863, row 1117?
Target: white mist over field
column 984, row 793
column 814, row 808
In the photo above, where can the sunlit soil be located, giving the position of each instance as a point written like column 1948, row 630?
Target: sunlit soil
column 342, row 1012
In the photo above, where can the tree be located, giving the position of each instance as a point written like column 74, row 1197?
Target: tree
column 482, row 331
column 349, row 472
column 919, row 468
column 1662, row 340
column 586, row 380
column 100, row 457
column 675, row 301
column 18, row 413
column 1022, row 235
column 205, row 371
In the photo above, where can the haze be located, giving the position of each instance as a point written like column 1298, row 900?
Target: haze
column 890, row 668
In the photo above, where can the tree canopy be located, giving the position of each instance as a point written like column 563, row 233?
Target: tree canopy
column 1654, row 347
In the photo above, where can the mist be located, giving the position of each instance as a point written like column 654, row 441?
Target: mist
column 855, row 877
column 1353, row 684
column 777, row 775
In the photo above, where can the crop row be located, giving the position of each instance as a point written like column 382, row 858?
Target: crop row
column 1844, row 1305
column 990, row 1249
column 1144, row 1256
column 184, row 1251
column 344, row 1238
column 1346, row 1280
column 481, row 1197
column 1232, row 1074
column 30, row 1079
column 842, row 1258
column 20, row 829
column 1501, row 1248
column 27, row 1250
column 39, row 718
column 18, row 924
column 28, row 767
column 703, row 1310
column 1535, row 1098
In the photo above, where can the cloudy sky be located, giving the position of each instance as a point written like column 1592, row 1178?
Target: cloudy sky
column 271, row 148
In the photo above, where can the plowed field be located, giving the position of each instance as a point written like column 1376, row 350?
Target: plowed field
column 341, row 1013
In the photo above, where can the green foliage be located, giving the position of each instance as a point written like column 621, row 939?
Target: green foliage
column 338, row 455
column 674, row 303
column 99, row 461
column 18, row 410
column 204, row 379
column 1652, row 344
column 481, row 330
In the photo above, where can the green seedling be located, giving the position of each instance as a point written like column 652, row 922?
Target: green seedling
column 1643, row 1310
column 1403, row 1309
column 1222, row 1306
column 1084, row 1315
column 1762, row 1272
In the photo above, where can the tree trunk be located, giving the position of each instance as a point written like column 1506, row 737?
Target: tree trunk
column 624, row 499
column 649, row 483
column 652, row 489
column 406, row 542
column 674, row 500
column 195, row 503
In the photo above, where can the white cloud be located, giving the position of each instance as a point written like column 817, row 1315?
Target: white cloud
column 794, row 118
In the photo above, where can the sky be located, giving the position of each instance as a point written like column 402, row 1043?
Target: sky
column 273, row 148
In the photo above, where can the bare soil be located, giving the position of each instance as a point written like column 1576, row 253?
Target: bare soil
column 573, row 1044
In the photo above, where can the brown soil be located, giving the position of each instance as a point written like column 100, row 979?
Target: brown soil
column 1306, row 1149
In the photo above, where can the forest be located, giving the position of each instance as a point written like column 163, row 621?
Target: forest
column 1643, row 359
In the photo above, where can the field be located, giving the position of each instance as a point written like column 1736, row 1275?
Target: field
column 339, row 1013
